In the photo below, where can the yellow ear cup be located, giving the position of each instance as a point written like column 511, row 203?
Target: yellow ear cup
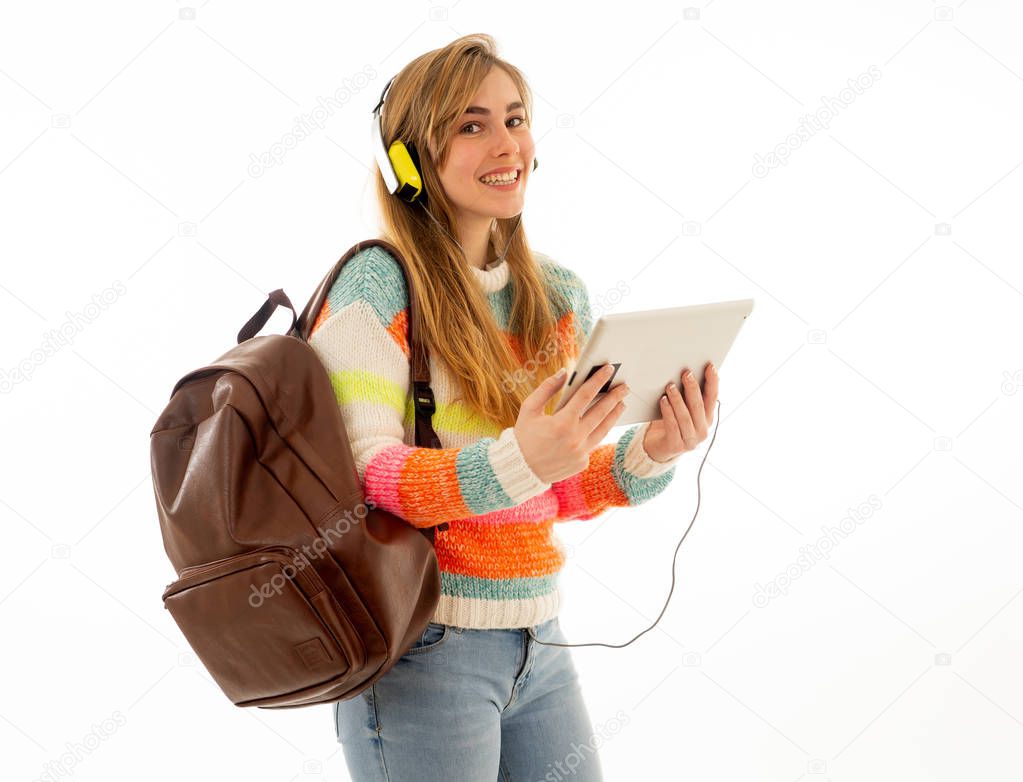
column 410, row 185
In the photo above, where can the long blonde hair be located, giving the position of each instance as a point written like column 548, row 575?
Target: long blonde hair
column 494, row 373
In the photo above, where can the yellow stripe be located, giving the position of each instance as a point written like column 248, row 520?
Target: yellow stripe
column 458, row 417
column 360, row 385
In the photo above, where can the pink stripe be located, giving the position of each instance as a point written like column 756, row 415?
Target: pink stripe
column 571, row 502
column 383, row 474
column 535, row 510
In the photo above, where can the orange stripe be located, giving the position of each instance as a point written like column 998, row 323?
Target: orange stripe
column 605, row 490
column 322, row 317
column 440, row 495
column 398, row 329
column 566, row 335
column 564, row 338
column 501, row 550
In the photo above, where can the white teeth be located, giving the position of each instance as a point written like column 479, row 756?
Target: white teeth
column 501, row 179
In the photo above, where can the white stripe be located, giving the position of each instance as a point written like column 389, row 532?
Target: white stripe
column 493, row 614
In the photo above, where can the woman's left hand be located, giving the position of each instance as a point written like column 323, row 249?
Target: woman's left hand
column 684, row 422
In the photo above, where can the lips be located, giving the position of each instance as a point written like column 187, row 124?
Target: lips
column 504, row 170
column 501, row 183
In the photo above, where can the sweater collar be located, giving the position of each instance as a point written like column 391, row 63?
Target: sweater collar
column 493, row 277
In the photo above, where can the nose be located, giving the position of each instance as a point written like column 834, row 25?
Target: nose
column 505, row 143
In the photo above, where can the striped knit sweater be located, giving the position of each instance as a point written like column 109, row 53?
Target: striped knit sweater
column 499, row 557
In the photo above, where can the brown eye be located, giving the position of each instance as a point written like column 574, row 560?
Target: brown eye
column 522, row 121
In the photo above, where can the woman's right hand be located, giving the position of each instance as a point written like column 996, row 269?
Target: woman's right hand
column 558, row 446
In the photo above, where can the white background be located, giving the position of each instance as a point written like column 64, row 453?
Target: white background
column 882, row 362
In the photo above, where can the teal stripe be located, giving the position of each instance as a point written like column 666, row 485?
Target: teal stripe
column 481, row 490
column 497, row 588
column 374, row 276
column 638, row 490
column 573, row 294
column 501, row 304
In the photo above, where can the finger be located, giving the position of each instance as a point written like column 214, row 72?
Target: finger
column 710, row 391
column 543, row 392
column 694, row 403
column 595, row 415
column 588, row 391
column 683, row 420
column 605, row 426
column 667, row 414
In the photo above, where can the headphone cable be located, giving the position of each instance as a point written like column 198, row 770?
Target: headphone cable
column 445, row 230
column 529, row 630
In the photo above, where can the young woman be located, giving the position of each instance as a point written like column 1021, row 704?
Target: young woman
column 478, row 697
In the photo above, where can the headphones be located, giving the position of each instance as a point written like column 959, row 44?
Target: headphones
column 399, row 162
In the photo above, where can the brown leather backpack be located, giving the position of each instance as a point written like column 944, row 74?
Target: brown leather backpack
column 291, row 588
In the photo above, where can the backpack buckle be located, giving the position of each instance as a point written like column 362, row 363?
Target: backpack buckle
column 423, row 396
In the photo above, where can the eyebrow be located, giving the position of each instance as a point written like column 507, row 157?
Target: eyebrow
column 480, row 110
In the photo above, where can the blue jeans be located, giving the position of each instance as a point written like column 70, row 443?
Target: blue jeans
column 472, row 705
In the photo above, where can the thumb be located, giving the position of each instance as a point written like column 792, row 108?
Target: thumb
column 543, row 392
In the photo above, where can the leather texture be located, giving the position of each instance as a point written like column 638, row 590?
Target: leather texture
column 291, row 590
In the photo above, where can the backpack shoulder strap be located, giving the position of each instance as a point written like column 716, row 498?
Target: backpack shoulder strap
column 422, row 394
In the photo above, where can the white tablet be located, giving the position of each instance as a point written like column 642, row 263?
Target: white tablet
column 650, row 349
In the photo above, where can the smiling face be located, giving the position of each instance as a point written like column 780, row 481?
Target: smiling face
column 491, row 135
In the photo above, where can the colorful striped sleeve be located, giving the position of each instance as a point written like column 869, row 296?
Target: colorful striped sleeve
column 619, row 474
column 361, row 336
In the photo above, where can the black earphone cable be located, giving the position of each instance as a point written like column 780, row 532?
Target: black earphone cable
column 529, row 630
column 518, row 221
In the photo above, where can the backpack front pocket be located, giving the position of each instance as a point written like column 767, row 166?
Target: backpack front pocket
column 264, row 624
